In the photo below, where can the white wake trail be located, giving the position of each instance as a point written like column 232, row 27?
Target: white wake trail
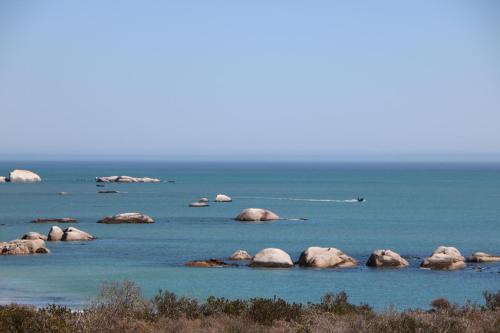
column 300, row 199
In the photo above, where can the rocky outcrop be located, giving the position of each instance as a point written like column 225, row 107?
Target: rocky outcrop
column 68, row 234
column 74, row 234
column 34, row 236
column 240, row 255
column 444, row 258
column 271, row 257
column 126, row 179
column 208, row 263
column 55, row 220
column 482, row 257
column 23, row 246
column 23, row 176
column 198, row 204
column 257, row 214
column 223, row 198
column 325, row 257
column 3, row 179
column 55, row 234
column 386, row 258
column 136, row 218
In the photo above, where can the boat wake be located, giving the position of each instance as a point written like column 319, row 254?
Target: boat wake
column 300, row 199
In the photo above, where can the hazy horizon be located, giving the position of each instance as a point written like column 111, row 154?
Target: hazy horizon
column 274, row 80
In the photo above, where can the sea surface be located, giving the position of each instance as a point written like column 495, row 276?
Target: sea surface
column 410, row 208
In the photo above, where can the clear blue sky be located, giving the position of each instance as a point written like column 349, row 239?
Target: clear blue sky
column 250, row 79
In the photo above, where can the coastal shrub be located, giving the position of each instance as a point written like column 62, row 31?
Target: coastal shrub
column 218, row 305
column 266, row 311
column 441, row 304
column 492, row 300
column 339, row 304
column 20, row 318
column 166, row 304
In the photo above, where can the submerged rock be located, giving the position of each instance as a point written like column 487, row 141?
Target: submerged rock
column 444, row 258
column 23, row 176
column 325, row 257
column 23, row 246
column 386, row 258
column 482, row 257
column 257, row 214
column 63, row 193
column 198, row 204
column 126, row 179
column 108, row 191
column 240, row 255
column 203, row 200
column 136, row 218
column 208, row 263
column 33, row 236
column 55, row 220
column 223, row 198
column 271, row 257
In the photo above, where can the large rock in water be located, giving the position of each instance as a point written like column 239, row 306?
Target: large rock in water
column 444, row 258
column 272, row 257
column 386, row 258
column 257, row 214
column 482, row 257
column 3, row 179
column 55, row 233
column 240, row 255
column 74, row 234
column 34, row 236
column 126, row 179
column 55, row 220
column 20, row 246
column 208, row 263
column 223, row 198
column 23, row 176
column 325, row 257
column 136, row 218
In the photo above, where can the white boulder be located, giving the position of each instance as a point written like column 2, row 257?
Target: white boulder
column 240, row 255
column 444, row 258
column 271, row 257
column 257, row 214
column 23, row 176
column 223, row 198
column 325, row 257
column 386, row 258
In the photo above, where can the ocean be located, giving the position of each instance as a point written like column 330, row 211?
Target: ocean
column 409, row 208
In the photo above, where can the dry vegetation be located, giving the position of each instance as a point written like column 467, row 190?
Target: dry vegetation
column 120, row 307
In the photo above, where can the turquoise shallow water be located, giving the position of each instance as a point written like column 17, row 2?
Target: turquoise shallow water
column 410, row 208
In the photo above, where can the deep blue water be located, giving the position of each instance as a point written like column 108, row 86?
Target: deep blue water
column 410, row 208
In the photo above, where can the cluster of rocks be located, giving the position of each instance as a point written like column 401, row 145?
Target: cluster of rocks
column 34, row 242
column 204, row 202
column 126, row 179
column 443, row 258
column 23, row 246
column 21, row 176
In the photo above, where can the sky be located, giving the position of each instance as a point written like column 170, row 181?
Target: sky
column 305, row 80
